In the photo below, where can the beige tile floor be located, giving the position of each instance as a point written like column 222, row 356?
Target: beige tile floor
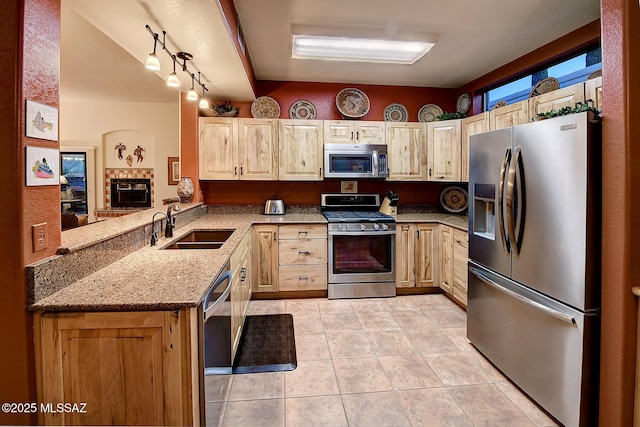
column 401, row 361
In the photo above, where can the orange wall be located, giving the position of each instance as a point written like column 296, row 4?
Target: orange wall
column 323, row 96
column 30, row 42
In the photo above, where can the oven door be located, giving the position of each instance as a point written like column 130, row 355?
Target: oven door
column 362, row 257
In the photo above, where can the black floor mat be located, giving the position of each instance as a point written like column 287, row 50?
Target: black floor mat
column 267, row 345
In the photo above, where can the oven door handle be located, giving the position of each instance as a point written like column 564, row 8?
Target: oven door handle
column 362, row 233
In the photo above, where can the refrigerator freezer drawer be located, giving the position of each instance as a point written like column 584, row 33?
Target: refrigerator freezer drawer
column 546, row 348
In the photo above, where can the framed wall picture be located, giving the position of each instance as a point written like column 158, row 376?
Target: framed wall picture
column 174, row 170
column 348, row 186
column 41, row 121
column 42, row 166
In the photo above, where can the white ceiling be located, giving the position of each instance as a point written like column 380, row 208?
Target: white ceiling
column 104, row 43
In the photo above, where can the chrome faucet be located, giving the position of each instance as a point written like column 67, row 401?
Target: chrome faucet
column 171, row 221
column 154, row 234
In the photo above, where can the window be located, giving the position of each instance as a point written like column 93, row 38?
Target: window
column 569, row 72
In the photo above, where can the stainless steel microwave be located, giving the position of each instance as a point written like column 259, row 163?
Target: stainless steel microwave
column 355, row 161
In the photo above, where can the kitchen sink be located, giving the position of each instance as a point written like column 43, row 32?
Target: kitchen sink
column 201, row 239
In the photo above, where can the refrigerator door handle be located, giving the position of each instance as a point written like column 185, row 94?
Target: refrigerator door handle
column 542, row 308
column 515, row 166
column 501, row 224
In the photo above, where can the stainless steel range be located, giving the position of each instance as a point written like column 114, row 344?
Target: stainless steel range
column 361, row 246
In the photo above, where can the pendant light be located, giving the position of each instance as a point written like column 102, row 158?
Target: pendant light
column 153, row 63
column 172, row 80
column 192, row 95
column 204, row 104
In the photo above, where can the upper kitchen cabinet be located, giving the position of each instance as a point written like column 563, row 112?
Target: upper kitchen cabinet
column 352, row 132
column 443, row 150
column 555, row 100
column 509, row 115
column 406, row 151
column 218, row 148
column 471, row 126
column 233, row 149
column 593, row 91
column 300, row 150
column 258, row 149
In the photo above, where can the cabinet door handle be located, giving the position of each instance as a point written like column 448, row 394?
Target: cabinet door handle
column 429, row 171
column 418, row 233
column 243, row 275
column 303, row 232
column 235, row 170
column 351, row 134
column 303, row 278
column 305, row 253
column 358, row 136
column 274, row 236
column 241, row 170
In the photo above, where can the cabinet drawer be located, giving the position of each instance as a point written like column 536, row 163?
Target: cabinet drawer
column 301, row 231
column 302, row 251
column 303, row 277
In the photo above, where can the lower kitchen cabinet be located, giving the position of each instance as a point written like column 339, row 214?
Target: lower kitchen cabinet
column 416, row 255
column 454, row 253
column 302, row 255
column 128, row 367
column 460, row 271
column 265, row 258
column 240, row 266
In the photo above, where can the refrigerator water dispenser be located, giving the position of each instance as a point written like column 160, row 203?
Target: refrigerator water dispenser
column 484, row 211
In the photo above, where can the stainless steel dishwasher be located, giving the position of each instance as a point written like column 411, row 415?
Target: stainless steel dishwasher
column 215, row 347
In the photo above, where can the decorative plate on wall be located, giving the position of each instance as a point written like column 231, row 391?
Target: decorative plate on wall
column 464, row 103
column 454, row 199
column 428, row 113
column 265, row 107
column 352, row 102
column 302, row 110
column 396, row 113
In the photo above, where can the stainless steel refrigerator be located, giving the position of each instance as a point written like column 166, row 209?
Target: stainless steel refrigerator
column 534, row 260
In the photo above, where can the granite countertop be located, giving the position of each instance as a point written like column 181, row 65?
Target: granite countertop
column 155, row 279
column 457, row 221
column 152, row 278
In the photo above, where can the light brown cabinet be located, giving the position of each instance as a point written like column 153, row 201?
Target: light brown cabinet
column 471, row 126
column 454, row 254
column 416, row 255
column 302, row 255
column 446, row 258
column 460, row 270
column 593, row 91
column 128, row 367
column 406, row 151
column 235, row 149
column 354, row 132
column 240, row 266
column 301, row 150
column 265, row 258
column 555, row 100
column 509, row 115
column 444, row 150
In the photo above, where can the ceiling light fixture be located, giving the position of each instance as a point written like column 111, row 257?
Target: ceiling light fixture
column 172, row 80
column 339, row 44
column 204, row 104
column 192, row 95
column 153, row 63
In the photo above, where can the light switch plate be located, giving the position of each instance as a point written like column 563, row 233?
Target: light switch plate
column 39, row 238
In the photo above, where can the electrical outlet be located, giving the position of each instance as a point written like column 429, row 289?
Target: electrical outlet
column 39, row 238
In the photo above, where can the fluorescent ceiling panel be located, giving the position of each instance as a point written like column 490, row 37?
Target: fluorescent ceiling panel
column 359, row 45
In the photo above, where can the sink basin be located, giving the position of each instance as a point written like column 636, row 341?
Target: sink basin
column 201, row 239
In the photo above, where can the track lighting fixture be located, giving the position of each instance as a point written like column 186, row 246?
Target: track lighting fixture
column 173, row 80
column 192, row 95
column 204, row 104
column 153, row 63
